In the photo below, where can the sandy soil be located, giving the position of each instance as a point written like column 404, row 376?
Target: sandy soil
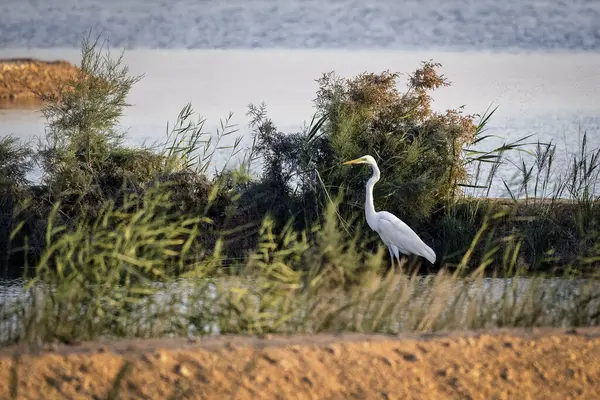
column 504, row 364
column 19, row 76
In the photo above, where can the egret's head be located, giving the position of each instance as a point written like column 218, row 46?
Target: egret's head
column 362, row 160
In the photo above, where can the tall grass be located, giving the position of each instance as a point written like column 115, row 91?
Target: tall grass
column 552, row 206
column 114, row 279
column 192, row 148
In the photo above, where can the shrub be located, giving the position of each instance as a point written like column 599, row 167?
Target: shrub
column 15, row 164
column 422, row 154
column 82, row 144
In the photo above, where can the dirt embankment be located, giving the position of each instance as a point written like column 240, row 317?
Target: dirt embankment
column 516, row 364
column 19, row 76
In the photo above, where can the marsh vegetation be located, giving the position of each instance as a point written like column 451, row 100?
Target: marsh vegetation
column 161, row 240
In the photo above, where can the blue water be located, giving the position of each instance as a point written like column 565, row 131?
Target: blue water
column 509, row 25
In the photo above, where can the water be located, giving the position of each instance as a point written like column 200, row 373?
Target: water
column 481, row 25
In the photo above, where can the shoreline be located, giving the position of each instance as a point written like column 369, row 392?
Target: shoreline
column 21, row 77
column 540, row 363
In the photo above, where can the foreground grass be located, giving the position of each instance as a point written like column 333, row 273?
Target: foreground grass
column 114, row 279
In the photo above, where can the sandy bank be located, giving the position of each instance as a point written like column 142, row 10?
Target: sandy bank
column 506, row 364
column 20, row 77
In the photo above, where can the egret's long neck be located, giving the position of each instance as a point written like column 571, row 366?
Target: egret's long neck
column 369, row 206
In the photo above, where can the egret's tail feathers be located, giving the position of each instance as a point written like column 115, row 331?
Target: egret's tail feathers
column 429, row 254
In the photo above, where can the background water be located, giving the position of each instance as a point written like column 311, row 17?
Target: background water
column 516, row 25
column 539, row 61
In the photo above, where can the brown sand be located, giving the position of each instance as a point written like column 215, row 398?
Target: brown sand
column 505, row 364
column 19, row 76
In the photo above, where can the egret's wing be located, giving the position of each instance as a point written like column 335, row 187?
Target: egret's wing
column 394, row 230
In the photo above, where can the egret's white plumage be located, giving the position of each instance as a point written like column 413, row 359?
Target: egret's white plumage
column 397, row 236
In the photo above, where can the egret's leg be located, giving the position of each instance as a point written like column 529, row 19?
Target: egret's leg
column 397, row 254
column 391, row 256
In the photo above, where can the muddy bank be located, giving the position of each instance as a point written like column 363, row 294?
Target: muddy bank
column 21, row 77
column 506, row 364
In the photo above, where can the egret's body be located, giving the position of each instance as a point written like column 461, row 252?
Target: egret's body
column 397, row 236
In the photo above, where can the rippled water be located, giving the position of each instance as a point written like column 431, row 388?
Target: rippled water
column 514, row 25
column 12, row 289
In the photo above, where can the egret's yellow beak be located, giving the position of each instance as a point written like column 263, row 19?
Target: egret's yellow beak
column 355, row 161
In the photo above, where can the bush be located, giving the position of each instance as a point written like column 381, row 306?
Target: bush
column 421, row 153
column 81, row 156
column 367, row 115
column 15, row 164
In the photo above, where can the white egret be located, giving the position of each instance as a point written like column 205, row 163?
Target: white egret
column 397, row 236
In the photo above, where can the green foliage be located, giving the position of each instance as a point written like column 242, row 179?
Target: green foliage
column 81, row 156
column 420, row 152
column 291, row 164
column 83, row 114
column 15, row 163
column 91, row 278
